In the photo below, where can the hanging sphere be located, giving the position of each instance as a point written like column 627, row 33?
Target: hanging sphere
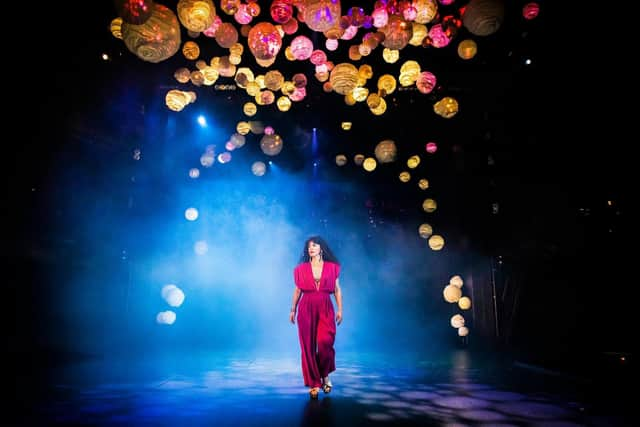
column 281, row 11
column 134, row 12
column 273, row 80
column 467, row 49
column 174, row 297
column 426, row 10
column 320, row 15
column 436, row 242
column 456, row 281
column 264, row 41
column 283, row 103
column 256, row 127
column 229, row 7
column 387, row 83
column 200, row 247
column 227, row 35
column 390, row 56
column 196, row 15
column 425, row 230
column 483, row 17
column 299, row 80
column 258, row 168
column 243, row 16
column 426, row 82
column 429, row 205
column 301, row 48
column 457, row 321
column 182, row 75
column 413, row 161
column 369, row 164
column 243, row 128
column 191, row 214
column 237, row 140
column 250, row 109
column 380, row 16
column 438, row 37
column 176, row 99
column 271, row 145
column 116, row 28
column 191, row 50
column 386, row 151
column 166, row 317
column 451, row 293
column 155, row 40
column 397, row 32
column 447, row 107
column 530, row 10
column 380, row 108
column 344, row 78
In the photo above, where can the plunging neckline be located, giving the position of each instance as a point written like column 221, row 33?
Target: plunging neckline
column 316, row 282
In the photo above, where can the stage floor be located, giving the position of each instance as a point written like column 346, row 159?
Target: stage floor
column 214, row 389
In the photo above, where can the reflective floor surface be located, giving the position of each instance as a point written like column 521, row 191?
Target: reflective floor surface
column 215, row 389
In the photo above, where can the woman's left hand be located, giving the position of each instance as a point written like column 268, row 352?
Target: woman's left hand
column 339, row 317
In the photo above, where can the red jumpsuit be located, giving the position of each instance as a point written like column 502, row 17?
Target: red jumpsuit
column 316, row 321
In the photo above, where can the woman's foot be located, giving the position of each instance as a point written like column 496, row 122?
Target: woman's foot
column 313, row 392
column 326, row 385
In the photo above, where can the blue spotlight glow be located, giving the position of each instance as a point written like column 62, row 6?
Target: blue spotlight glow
column 202, row 121
column 270, row 162
column 314, row 142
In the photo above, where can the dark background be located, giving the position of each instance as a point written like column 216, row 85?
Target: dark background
column 548, row 143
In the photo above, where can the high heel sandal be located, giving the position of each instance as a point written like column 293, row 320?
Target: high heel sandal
column 326, row 387
column 313, row 393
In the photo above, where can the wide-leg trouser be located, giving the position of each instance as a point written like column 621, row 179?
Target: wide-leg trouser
column 317, row 333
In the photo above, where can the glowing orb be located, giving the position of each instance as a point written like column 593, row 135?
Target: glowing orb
column 258, row 168
column 200, row 247
column 191, row 214
column 456, row 281
column 457, row 321
column 436, row 242
column 166, row 317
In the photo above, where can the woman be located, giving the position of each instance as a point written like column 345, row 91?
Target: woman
column 316, row 276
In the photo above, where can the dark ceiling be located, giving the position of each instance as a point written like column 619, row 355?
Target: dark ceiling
column 496, row 83
column 511, row 137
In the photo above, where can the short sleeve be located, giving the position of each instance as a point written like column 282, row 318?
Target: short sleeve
column 337, row 271
column 296, row 277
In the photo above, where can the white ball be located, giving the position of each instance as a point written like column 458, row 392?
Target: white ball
column 456, row 281
column 200, row 247
column 175, row 297
column 166, row 317
column 191, row 214
column 166, row 289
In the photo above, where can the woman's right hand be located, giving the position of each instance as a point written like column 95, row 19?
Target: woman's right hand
column 292, row 317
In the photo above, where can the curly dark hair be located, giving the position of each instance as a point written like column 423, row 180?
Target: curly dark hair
column 327, row 253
